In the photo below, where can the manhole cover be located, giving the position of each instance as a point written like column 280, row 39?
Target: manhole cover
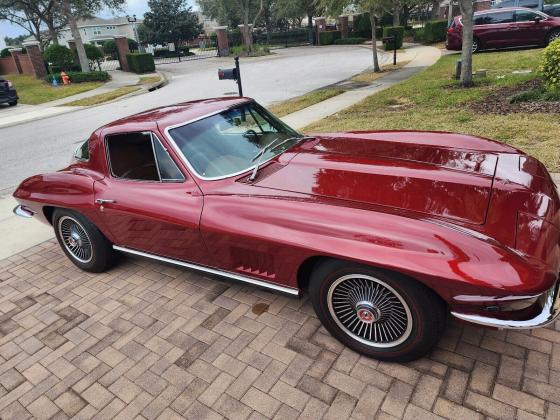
column 260, row 308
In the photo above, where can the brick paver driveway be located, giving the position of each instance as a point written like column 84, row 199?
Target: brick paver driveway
column 151, row 341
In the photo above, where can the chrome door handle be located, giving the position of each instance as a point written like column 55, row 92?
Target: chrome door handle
column 102, row 201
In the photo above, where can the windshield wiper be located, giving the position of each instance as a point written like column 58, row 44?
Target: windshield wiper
column 270, row 148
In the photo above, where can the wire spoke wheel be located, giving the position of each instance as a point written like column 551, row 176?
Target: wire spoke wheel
column 75, row 239
column 369, row 310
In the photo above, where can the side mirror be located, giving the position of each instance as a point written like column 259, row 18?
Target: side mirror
column 537, row 19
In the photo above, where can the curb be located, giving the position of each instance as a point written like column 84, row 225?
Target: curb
column 158, row 85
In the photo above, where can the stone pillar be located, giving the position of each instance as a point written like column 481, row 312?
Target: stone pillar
column 222, row 40
column 320, row 26
column 122, row 51
column 36, row 57
column 343, row 26
column 16, row 53
column 250, row 29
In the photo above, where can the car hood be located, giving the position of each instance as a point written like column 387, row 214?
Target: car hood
column 429, row 174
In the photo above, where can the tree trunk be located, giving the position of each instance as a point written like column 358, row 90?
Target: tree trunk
column 376, row 67
column 435, row 9
column 53, row 35
column 396, row 13
column 82, row 57
column 466, row 53
column 310, row 27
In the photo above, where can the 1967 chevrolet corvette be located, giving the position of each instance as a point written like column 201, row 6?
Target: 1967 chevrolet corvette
column 387, row 231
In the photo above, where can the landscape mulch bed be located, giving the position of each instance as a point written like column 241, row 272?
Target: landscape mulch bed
column 498, row 101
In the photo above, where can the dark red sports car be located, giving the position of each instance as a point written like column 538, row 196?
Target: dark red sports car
column 387, row 231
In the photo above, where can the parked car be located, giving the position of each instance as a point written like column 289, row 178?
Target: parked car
column 505, row 28
column 387, row 231
column 8, row 94
column 549, row 9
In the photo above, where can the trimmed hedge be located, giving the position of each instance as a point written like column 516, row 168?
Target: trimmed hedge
column 435, row 31
column 5, row 53
column 397, row 32
column 79, row 77
column 350, row 41
column 141, row 62
column 329, row 37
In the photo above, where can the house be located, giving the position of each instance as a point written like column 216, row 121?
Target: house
column 96, row 30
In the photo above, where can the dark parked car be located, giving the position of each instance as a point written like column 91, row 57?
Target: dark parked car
column 506, row 28
column 388, row 231
column 549, row 9
column 8, row 94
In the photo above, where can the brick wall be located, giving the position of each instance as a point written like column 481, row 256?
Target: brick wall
column 7, row 65
column 25, row 63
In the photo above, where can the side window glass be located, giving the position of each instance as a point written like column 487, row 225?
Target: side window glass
column 131, row 156
column 502, row 17
column 82, row 152
column 524, row 16
column 168, row 170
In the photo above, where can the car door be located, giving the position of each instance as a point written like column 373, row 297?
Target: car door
column 530, row 30
column 494, row 29
column 146, row 202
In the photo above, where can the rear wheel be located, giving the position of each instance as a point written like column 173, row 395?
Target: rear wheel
column 553, row 36
column 375, row 312
column 82, row 242
column 475, row 45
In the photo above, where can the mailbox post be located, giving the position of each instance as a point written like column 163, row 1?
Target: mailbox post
column 232, row 74
column 392, row 39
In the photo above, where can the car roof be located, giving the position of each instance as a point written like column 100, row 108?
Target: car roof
column 504, row 9
column 180, row 113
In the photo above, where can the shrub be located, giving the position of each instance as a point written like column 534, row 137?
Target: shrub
column 132, row 44
column 79, row 77
column 59, row 56
column 5, row 53
column 434, row 31
column 362, row 26
column 550, row 66
column 418, row 34
column 141, row 62
column 328, row 37
column 93, row 53
column 347, row 41
column 110, row 48
column 395, row 31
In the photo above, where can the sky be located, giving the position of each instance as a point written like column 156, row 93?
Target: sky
column 137, row 7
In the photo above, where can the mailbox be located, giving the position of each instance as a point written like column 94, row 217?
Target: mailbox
column 227, row 74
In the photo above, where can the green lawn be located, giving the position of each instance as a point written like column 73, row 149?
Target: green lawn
column 104, row 97
column 431, row 100
column 295, row 104
column 33, row 91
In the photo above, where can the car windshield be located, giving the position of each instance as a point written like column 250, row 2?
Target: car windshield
column 227, row 143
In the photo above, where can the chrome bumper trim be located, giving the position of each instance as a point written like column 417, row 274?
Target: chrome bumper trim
column 23, row 212
column 550, row 309
column 284, row 289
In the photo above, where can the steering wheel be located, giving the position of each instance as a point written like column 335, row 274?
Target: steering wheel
column 140, row 172
column 253, row 133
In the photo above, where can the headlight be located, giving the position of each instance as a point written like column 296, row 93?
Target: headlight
column 10, row 85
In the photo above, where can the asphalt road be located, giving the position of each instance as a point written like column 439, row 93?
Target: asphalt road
column 47, row 144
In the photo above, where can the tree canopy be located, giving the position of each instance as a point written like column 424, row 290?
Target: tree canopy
column 169, row 21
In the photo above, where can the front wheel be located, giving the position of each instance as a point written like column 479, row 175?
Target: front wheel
column 375, row 312
column 82, row 242
column 13, row 103
column 553, row 36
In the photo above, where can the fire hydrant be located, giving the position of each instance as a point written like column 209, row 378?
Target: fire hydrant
column 65, row 78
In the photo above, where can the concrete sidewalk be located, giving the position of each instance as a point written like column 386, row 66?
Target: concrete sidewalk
column 420, row 57
column 23, row 113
